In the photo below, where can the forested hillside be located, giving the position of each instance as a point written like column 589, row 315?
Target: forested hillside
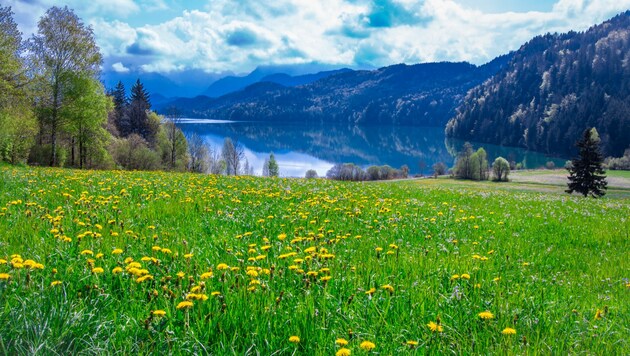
column 556, row 86
column 421, row 94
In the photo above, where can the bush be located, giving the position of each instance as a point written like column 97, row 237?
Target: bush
column 311, row 173
column 621, row 163
column 439, row 169
column 500, row 169
column 550, row 165
column 133, row 152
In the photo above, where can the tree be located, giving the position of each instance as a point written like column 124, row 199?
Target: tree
column 274, row 170
column 311, row 173
column 439, row 169
column 500, row 169
column 232, row 154
column 136, row 118
column 404, row 171
column 586, row 175
column 265, row 167
column 86, row 109
column 464, row 165
column 174, row 135
column 199, row 154
column 479, row 167
column 63, row 44
column 119, row 97
column 18, row 125
column 422, row 165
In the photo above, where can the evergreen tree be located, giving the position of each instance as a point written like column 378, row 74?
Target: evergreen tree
column 586, row 175
column 274, row 170
column 137, row 119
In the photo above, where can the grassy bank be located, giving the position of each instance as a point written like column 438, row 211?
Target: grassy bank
column 155, row 262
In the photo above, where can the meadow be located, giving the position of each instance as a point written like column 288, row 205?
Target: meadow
column 97, row 262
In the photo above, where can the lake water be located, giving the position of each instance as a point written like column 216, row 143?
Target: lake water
column 300, row 147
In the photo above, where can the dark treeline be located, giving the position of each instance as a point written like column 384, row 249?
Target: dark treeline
column 352, row 172
column 553, row 89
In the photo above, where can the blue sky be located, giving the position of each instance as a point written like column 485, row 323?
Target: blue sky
column 236, row 36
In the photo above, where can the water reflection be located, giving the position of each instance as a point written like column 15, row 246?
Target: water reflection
column 300, row 147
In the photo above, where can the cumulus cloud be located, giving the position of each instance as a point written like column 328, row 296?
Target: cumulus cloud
column 118, row 67
column 238, row 35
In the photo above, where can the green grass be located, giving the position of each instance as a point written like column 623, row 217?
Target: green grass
column 543, row 264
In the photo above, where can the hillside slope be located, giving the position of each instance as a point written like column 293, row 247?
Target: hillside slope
column 555, row 87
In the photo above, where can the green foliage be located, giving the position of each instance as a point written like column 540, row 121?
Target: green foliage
column 310, row 174
column 500, row 169
column 586, row 174
column 439, row 169
column 274, row 170
column 386, row 260
column 620, row 163
column 173, row 147
column 471, row 165
column 133, row 153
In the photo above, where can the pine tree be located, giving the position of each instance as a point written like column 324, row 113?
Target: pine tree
column 137, row 120
column 121, row 102
column 274, row 170
column 586, row 175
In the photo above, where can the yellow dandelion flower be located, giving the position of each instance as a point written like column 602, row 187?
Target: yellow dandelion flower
column 156, row 248
column 341, row 342
column 434, row 327
column 117, row 251
column 454, row 277
column 465, row 276
column 367, row 345
column 158, row 312
column 55, row 283
column 486, row 315
column 214, row 294
column 4, row 276
column 188, row 255
column 412, row 343
column 184, row 305
column 97, row 270
column 325, row 278
column 252, row 273
column 3, row 262
column 222, row 266
column 117, row 270
column 599, row 314
column 87, row 252
column 388, row 288
column 144, row 278
column 181, row 274
column 294, row 339
column 508, row 331
column 343, row 352
column 281, row 237
column 207, row 275
column 371, row 291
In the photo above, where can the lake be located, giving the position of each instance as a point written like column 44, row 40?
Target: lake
column 300, row 147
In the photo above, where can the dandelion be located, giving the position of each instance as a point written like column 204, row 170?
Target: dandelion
column 508, row 331
column 388, row 288
column 434, row 327
column 294, row 339
column 117, row 251
column 144, row 278
column 371, row 291
column 412, row 343
column 184, row 305
column 598, row 314
column 87, row 252
column 281, row 237
column 206, row 275
column 222, row 266
column 454, row 277
column 158, row 313
column 97, row 270
column 343, row 352
column 117, row 270
column 55, row 283
column 188, row 256
column 4, row 276
column 341, row 342
column 367, row 345
column 465, row 276
column 486, row 315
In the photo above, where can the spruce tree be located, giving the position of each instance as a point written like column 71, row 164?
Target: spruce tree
column 586, row 175
column 137, row 113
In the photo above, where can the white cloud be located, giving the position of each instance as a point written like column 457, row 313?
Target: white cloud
column 238, row 35
column 118, row 67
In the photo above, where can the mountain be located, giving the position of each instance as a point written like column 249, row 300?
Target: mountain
column 421, row 94
column 231, row 84
column 555, row 87
column 186, row 83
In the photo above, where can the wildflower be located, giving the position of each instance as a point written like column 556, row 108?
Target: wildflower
column 367, row 345
column 508, row 331
column 4, row 276
column 184, row 305
column 206, row 275
column 252, row 273
column 188, row 256
column 343, row 352
column 486, row 315
column 294, row 339
column 214, row 294
column 598, row 314
column 412, row 343
column 454, row 277
column 181, row 274
column 156, row 248
column 144, row 278
column 222, row 266
column 3, row 262
column 325, row 278
column 282, row 237
column 465, row 276
column 388, row 288
column 371, row 291
column 117, row 270
column 434, row 327
column 117, row 251
column 55, row 283
column 87, row 252
column 97, row 270
column 158, row 312
column 341, row 342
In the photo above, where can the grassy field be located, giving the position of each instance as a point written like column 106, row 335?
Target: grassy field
column 119, row 262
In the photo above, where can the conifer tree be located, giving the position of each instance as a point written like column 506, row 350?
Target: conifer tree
column 586, row 175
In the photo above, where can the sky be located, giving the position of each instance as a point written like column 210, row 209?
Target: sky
column 236, row 36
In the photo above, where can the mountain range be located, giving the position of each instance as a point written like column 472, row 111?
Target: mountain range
column 540, row 97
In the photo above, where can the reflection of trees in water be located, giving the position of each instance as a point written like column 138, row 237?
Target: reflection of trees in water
column 362, row 145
